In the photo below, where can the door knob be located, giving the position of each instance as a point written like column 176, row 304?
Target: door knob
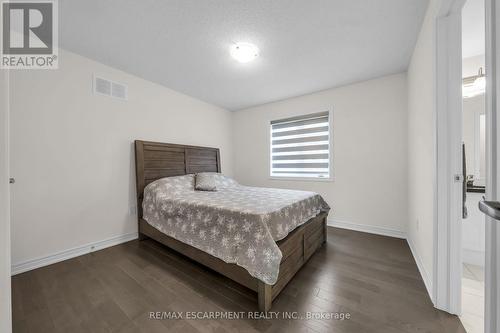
column 490, row 208
column 12, row 180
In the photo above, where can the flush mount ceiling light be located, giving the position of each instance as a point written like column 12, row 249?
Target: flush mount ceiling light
column 244, row 52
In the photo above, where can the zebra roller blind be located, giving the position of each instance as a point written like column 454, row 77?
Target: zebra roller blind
column 300, row 146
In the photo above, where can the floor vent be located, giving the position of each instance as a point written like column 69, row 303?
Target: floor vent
column 109, row 88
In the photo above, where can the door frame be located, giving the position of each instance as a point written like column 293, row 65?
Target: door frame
column 492, row 272
column 5, row 246
column 447, row 277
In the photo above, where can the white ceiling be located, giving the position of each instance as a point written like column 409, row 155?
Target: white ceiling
column 305, row 46
column 473, row 28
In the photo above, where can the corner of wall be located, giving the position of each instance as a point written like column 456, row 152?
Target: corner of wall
column 426, row 276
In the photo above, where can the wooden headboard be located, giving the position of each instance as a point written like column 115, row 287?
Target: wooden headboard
column 155, row 160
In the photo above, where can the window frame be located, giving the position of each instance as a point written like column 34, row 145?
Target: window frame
column 331, row 150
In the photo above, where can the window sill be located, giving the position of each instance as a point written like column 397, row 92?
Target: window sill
column 303, row 179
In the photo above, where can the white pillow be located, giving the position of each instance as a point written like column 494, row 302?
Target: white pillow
column 205, row 181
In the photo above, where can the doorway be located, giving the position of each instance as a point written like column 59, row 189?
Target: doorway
column 453, row 172
column 474, row 165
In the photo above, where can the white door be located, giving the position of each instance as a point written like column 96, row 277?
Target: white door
column 492, row 206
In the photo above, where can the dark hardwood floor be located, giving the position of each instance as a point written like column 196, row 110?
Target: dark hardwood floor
column 372, row 278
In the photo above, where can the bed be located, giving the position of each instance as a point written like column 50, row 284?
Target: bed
column 256, row 237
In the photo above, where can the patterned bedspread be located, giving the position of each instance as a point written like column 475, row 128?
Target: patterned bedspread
column 237, row 224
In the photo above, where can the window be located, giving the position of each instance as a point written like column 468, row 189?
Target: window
column 300, row 146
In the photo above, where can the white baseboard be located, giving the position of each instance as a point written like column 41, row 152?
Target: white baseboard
column 367, row 228
column 95, row 246
column 423, row 272
column 71, row 253
column 390, row 233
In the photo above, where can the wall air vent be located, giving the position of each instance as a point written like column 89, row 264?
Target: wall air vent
column 109, row 88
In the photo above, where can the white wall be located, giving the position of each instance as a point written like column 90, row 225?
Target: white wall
column 421, row 141
column 5, row 294
column 475, row 156
column 72, row 152
column 471, row 108
column 370, row 143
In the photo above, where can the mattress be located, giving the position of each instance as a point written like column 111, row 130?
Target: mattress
column 237, row 224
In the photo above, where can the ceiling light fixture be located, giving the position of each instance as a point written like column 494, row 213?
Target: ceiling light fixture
column 244, row 52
